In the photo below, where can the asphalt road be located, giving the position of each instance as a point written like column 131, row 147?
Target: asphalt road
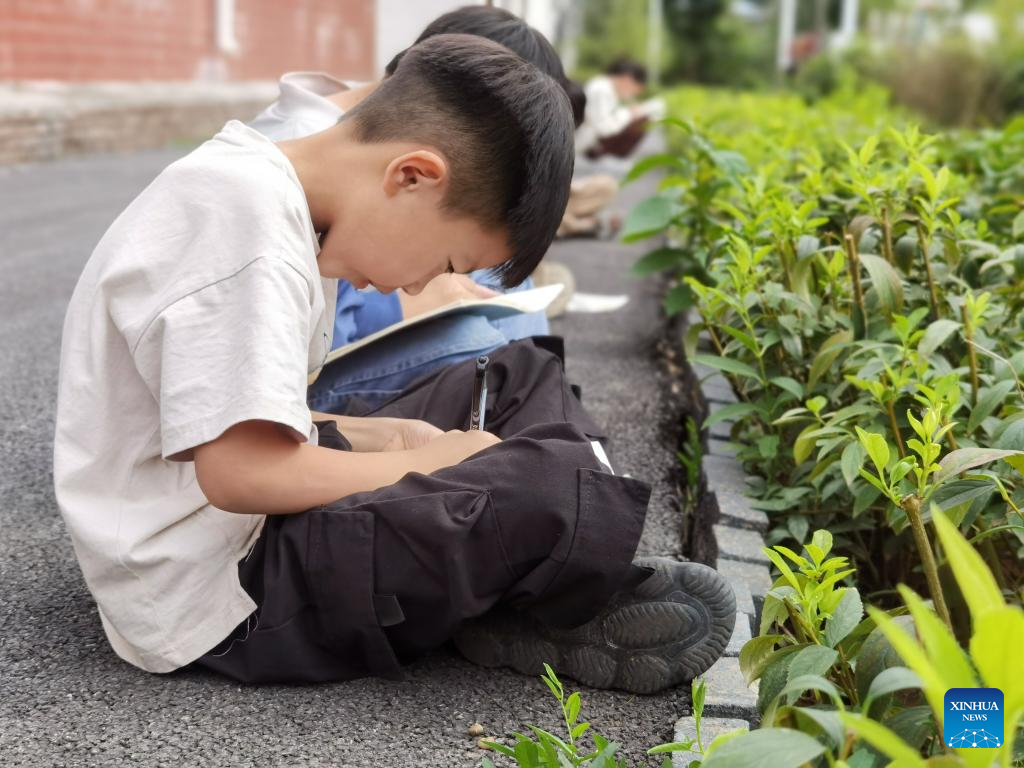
column 66, row 699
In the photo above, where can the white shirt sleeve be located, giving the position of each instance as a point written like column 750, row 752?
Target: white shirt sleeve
column 233, row 351
column 604, row 112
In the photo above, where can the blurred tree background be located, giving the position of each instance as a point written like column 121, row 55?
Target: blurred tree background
column 955, row 62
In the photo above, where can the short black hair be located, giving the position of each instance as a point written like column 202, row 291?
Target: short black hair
column 498, row 25
column 578, row 101
column 627, row 66
column 504, row 127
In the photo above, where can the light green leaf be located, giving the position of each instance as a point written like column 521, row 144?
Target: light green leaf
column 728, row 365
column 845, row 618
column 804, row 443
column 572, row 707
column 886, row 282
column 823, row 539
column 648, row 218
column 962, row 459
column 777, row 747
column 973, row 576
column 937, row 333
column 776, row 558
column 882, row 739
column 995, row 648
column 1018, row 226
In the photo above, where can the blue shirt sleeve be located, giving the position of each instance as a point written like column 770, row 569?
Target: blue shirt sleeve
column 360, row 314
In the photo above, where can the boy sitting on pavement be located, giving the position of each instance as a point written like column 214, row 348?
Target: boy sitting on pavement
column 217, row 523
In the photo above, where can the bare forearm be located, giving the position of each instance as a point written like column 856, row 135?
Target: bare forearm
column 365, row 433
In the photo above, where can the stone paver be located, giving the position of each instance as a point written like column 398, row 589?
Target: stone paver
column 710, row 727
column 728, row 693
column 740, row 544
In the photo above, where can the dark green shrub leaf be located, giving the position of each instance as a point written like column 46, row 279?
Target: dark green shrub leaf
column 649, row 163
column 731, row 412
column 955, row 462
column 989, row 399
column 886, row 282
column 957, row 492
column 648, row 218
column 812, row 660
column 658, row 260
column 889, row 681
column 729, row 365
column 679, row 299
column 757, row 654
column 827, row 355
column 935, row 336
column 790, row 385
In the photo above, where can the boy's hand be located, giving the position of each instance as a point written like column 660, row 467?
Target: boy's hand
column 451, row 448
column 442, row 290
column 410, row 434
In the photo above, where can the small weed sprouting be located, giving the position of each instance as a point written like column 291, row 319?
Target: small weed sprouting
column 546, row 750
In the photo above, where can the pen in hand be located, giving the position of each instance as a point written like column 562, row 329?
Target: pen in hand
column 479, row 405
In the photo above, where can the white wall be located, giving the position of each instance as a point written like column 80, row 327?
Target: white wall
column 399, row 22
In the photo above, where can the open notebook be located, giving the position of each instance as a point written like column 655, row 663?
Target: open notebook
column 505, row 305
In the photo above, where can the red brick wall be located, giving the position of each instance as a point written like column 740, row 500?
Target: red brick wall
column 176, row 39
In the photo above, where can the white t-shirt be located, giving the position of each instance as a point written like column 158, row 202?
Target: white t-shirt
column 302, row 108
column 605, row 115
column 201, row 307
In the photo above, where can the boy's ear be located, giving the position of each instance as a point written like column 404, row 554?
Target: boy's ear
column 415, row 171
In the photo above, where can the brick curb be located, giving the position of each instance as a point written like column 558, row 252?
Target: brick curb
column 726, row 532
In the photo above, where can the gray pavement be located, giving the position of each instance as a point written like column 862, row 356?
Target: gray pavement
column 66, row 699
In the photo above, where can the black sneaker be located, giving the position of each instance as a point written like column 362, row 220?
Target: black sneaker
column 667, row 630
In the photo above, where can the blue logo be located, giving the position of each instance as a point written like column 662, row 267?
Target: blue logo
column 973, row 718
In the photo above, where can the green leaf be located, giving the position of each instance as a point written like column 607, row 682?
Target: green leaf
column 728, row 365
column 822, row 539
column 827, row 355
column 777, row 747
column 886, row 282
column 935, row 336
column 989, row 399
column 825, row 719
column 845, row 618
column 675, row 746
column 757, row 654
column 790, row 385
column 851, row 462
column 651, row 162
column 678, row 299
column 889, row 681
column 743, row 338
column 962, row 459
column 995, row 648
column 957, row 492
column 1018, row 226
column 882, row 739
column 877, row 448
column 776, row 558
column 658, row 260
column 812, row 660
column 731, row 412
column 648, row 218
column 572, row 708
column 973, row 576
column 804, row 443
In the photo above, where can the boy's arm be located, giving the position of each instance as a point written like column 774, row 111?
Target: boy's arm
column 381, row 433
column 256, row 467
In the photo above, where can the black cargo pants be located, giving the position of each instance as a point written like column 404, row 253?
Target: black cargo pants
column 376, row 579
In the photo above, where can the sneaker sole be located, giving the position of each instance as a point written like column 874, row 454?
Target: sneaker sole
column 668, row 630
